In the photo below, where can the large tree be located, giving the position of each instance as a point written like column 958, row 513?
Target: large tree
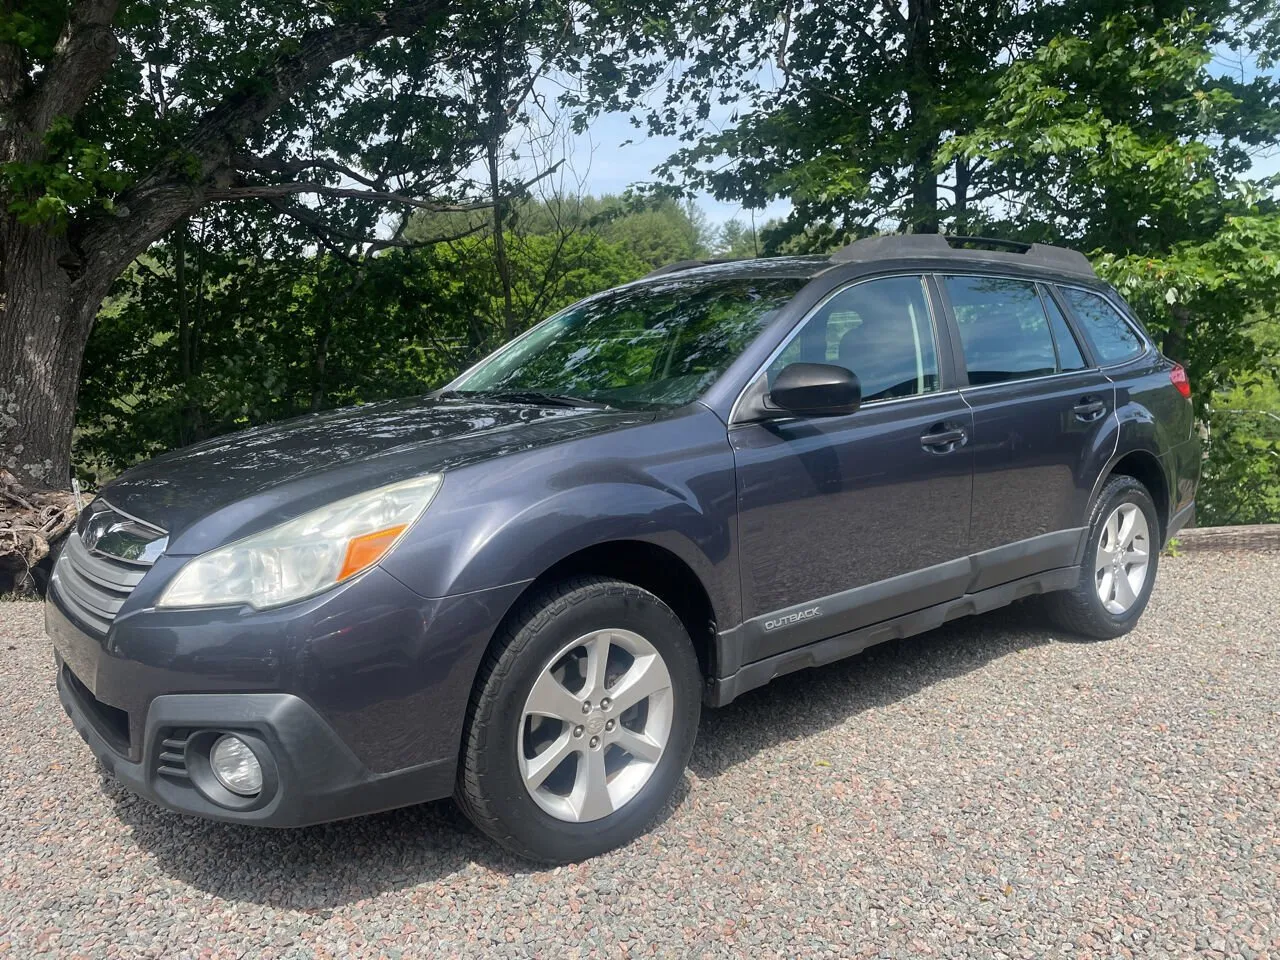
column 841, row 107
column 119, row 121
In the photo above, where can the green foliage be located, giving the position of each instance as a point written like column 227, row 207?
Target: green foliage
column 657, row 230
column 1241, row 478
column 74, row 175
column 249, row 337
column 1210, row 286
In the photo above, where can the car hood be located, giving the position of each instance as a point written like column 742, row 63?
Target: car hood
column 268, row 474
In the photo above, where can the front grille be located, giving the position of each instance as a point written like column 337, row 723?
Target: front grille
column 173, row 755
column 111, row 722
column 93, row 587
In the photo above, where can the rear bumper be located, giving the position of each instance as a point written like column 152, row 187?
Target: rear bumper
column 311, row 776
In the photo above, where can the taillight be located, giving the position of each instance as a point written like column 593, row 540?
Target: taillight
column 1179, row 378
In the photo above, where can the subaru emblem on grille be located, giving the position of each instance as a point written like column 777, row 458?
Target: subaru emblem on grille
column 110, row 533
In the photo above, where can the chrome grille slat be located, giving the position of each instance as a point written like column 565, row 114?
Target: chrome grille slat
column 111, row 574
column 92, row 585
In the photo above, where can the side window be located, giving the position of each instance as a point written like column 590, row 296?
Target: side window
column 1004, row 331
column 879, row 329
column 1069, row 355
column 1113, row 339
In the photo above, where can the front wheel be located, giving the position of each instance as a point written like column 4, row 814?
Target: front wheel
column 581, row 722
column 1119, row 566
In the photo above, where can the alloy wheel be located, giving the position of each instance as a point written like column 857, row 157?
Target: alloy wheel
column 1124, row 552
column 595, row 725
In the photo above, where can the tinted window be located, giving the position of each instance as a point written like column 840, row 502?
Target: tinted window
column 1113, row 339
column 881, row 330
column 1004, row 332
column 1069, row 355
column 657, row 344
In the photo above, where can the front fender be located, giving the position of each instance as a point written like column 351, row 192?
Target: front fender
column 669, row 483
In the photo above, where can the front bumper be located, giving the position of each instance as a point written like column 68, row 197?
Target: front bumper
column 310, row 774
column 355, row 699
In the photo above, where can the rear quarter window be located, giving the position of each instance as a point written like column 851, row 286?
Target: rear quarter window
column 1113, row 338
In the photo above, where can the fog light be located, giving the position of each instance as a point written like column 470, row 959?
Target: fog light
column 235, row 766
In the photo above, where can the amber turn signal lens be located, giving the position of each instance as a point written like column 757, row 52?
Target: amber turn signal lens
column 365, row 551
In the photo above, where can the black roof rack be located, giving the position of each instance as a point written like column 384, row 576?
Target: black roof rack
column 680, row 265
column 942, row 245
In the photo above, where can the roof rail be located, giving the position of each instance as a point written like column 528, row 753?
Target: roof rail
column 943, row 245
column 681, row 265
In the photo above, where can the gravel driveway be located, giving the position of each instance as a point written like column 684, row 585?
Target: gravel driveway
column 984, row 791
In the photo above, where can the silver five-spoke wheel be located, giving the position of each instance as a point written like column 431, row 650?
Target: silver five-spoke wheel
column 595, row 725
column 1124, row 551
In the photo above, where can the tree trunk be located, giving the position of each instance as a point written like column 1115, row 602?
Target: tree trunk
column 500, row 243
column 960, row 210
column 43, row 331
column 191, row 429
column 319, row 359
column 1174, row 345
column 921, row 105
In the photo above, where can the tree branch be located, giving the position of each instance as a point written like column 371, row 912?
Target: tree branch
column 171, row 192
column 267, row 191
column 325, row 231
column 293, row 167
column 82, row 55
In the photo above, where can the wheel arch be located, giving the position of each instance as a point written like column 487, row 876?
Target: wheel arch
column 647, row 565
column 1145, row 467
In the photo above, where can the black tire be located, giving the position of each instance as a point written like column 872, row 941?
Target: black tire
column 1080, row 611
column 490, row 790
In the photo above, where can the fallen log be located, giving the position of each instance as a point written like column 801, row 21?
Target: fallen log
column 32, row 526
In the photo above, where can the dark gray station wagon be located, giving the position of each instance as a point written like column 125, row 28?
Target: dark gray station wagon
column 521, row 589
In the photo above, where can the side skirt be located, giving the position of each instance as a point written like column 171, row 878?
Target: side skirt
column 725, row 689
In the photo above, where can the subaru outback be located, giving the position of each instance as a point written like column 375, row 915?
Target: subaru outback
column 521, row 590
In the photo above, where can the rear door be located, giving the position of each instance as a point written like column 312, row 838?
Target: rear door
column 848, row 520
column 1041, row 413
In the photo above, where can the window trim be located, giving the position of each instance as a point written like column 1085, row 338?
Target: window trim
column 1122, row 309
column 1047, row 298
column 945, row 372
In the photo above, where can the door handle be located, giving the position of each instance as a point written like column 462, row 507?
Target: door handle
column 944, row 438
column 1088, row 409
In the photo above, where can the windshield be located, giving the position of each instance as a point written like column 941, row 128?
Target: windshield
column 657, row 344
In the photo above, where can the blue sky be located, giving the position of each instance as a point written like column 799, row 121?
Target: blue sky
column 608, row 164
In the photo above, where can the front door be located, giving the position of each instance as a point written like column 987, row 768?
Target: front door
column 1040, row 414
column 846, row 521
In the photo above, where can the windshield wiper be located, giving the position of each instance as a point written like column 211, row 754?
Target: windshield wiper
column 527, row 396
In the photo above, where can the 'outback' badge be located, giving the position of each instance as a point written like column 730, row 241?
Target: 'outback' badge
column 787, row 619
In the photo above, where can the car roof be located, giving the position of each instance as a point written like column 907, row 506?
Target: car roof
column 907, row 250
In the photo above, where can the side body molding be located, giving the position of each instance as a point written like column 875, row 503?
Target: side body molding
column 843, row 624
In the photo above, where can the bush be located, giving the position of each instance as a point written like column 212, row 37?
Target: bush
column 1241, row 477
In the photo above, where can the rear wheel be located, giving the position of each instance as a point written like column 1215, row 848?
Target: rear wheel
column 1119, row 566
column 581, row 722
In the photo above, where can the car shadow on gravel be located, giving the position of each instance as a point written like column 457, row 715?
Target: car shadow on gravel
column 809, row 701
column 317, row 869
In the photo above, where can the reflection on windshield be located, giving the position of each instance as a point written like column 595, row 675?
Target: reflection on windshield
column 658, row 344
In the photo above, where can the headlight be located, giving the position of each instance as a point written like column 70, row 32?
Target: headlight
column 306, row 555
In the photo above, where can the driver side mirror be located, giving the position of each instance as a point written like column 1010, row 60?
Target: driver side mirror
column 816, row 390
